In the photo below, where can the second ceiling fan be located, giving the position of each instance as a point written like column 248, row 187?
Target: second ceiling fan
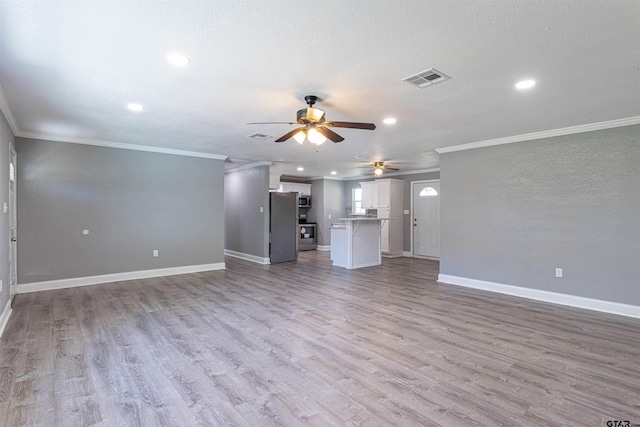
column 315, row 127
column 379, row 167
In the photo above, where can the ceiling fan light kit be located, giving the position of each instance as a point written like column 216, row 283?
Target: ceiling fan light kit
column 379, row 168
column 311, row 134
column 315, row 129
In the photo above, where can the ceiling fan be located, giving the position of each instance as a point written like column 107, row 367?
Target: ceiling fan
column 379, row 167
column 315, row 127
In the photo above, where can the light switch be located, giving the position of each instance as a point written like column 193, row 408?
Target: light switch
column 261, row 209
column 5, row 207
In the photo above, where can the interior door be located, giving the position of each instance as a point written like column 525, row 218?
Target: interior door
column 13, row 225
column 426, row 219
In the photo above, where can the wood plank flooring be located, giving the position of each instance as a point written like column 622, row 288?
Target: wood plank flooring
column 308, row 344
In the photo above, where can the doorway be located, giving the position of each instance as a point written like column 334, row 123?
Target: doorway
column 13, row 224
column 425, row 208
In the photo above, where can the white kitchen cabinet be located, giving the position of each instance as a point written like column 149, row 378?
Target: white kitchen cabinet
column 387, row 196
column 274, row 181
column 384, row 193
column 384, row 232
column 285, row 187
column 369, row 194
column 302, row 189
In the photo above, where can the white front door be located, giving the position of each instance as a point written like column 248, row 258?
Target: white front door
column 426, row 219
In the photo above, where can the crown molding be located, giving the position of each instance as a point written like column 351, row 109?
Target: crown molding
column 391, row 174
column 8, row 114
column 120, row 145
column 629, row 121
column 249, row 166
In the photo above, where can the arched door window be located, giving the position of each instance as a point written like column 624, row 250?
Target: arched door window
column 428, row 192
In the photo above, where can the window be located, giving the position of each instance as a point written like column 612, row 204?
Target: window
column 428, row 192
column 357, row 202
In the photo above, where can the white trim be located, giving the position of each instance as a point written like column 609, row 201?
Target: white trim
column 248, row 257
column 120, row 145
column 546, row 296
column 249, row 166
column 8, row 114
column 116, row 277
column 391, row 174
column 407, row 254
column 323, row 247
column 544, row 134
column 4, row 317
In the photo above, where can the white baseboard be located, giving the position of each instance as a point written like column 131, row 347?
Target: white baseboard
column 393, row 255
column 4, row 317
column 323, row 247
column 407, row 254
column 117, row 277
column 546, row 296
column 248, row 257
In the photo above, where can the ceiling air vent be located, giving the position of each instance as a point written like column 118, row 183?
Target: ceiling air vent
column 259, row 136
column 426, row 78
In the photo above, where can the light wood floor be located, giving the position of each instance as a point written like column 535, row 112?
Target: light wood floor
column 306, row 344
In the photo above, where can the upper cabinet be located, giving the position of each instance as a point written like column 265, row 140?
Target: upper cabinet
column 302, row 189
column 274, row 181
column 377, row 194
column 369, row 194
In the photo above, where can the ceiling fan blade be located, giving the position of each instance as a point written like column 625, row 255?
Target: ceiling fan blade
column 288, row 135
column 389, row 169
column 352, row 125
column 273, row 123
column 329, row 134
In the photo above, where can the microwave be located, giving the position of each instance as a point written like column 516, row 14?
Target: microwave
column 304, row 201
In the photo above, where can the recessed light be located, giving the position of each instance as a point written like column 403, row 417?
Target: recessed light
column 334, row 173
column 177, row 59
column 525, row 84
column 134, row 107
column 389, row 121
column 300, row 168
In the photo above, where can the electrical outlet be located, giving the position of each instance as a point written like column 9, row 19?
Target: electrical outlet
column 1, row 285
column 558, row 272
column 155, row 253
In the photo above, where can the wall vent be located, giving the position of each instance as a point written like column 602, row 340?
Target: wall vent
column 259, row 136
column 426, row 78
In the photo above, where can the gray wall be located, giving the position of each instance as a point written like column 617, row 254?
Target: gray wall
column 131, row 202
column 247, row 230
column 513, row 213
column 316, row 211
column 6, row 141
column 327, row 206
column 350, row 185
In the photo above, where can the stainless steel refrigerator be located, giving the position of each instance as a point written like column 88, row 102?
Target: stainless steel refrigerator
column 283, row 227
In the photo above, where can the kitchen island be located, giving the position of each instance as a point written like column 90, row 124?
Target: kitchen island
column 355, row 243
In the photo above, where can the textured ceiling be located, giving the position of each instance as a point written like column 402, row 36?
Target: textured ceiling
column 68, row 69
